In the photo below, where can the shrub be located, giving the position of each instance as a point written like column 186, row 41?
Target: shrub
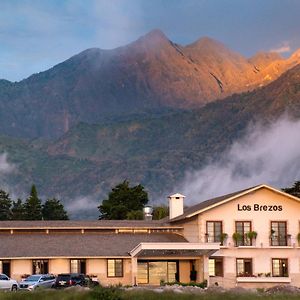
column 106, row 293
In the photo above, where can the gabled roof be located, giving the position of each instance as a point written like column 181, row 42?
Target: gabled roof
column 211, row 203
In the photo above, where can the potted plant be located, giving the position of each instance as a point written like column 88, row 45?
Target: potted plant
column 298, row 238
column 251, row 235
column 223, row 237
column 206, row 237
column 237, row 237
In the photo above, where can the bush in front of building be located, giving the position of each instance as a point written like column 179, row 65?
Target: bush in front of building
column 106, row 293
column 202, row 284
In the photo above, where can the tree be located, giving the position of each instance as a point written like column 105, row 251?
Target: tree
column 122, row 200
column 53, row 209
column 5, row 206
column 135, row 215
column 18, row 210
column 33, row 206
column 160, row 212
column 294, row 189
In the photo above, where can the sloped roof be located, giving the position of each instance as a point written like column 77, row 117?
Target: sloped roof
column 193, row 210
column 77, row 245
column 83, row 224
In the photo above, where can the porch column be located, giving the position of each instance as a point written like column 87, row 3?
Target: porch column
column 199, row 269
column 205, row 269
column 134, row 271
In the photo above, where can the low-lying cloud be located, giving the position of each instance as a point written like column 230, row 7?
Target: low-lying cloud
column 83, row 207
column 267, row 154
column 6, row 168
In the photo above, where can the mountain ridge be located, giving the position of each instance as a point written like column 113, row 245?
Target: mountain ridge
column 149, row 74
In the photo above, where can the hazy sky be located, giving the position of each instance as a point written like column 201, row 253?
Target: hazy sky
column 37, row 34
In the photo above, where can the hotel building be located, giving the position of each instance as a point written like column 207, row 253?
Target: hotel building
column 248, row 238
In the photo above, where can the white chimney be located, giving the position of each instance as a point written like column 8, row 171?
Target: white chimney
column 175, row 205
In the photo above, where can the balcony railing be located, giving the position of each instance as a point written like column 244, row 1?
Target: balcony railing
column 212, row 239
column 280, row 240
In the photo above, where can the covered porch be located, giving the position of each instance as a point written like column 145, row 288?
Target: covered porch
column 156, row 263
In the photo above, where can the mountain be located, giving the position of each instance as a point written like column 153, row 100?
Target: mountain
column 156, row 150
column 147, row 76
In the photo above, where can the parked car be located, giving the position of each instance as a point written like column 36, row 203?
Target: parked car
column 8, row 284
column 37, row 281
column 71, row 279
column 90, row 282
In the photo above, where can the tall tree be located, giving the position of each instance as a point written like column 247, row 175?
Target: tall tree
column 33, row 206
column 18, row 210
column 53, row 209
column 160, row 212
column 122, row 201
column 294, row 189
column 5, row 206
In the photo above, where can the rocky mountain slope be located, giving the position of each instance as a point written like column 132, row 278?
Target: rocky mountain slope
column 155, row 151
column 148, row 75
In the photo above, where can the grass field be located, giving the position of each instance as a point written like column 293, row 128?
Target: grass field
column 118, row 294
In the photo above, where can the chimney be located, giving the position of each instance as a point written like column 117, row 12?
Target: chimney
column 175, row 205
column 148, row 210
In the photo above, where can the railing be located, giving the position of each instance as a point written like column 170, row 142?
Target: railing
column 280, row 240
column 213, row 239
column 245, row 241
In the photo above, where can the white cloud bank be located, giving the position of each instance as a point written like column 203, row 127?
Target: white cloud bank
column 268, row 155
column 83, row 207
column 5, row 166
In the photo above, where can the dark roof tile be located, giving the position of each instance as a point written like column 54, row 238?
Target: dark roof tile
column 77, row 245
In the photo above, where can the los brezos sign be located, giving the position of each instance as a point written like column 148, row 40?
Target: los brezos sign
column 259, row 207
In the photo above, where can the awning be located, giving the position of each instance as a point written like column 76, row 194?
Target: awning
column 174, row 249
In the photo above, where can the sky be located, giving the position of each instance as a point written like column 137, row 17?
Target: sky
column 36, row 35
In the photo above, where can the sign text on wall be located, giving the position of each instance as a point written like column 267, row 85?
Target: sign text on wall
column 258, row 207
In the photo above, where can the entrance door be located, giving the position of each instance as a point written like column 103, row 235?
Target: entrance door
column 154, row 272
column 6, row 267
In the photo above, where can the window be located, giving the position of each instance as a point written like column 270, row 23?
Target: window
column 5, row 267
column 78, row 266
column 244, row 267
column 280, row 267
column 40, row 266
column 278, row 234
column 242, row 228
column 215, row 266
column 115, row 268
column 213, row 231
column 3, row 277
column 153, row 272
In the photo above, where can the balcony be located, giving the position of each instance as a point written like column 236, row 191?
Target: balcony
column 216, row 239
column 280, row 240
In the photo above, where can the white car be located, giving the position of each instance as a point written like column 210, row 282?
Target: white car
column 8, row 284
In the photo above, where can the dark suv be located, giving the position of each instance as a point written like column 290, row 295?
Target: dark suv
column 66, row 280
column 71, row 279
